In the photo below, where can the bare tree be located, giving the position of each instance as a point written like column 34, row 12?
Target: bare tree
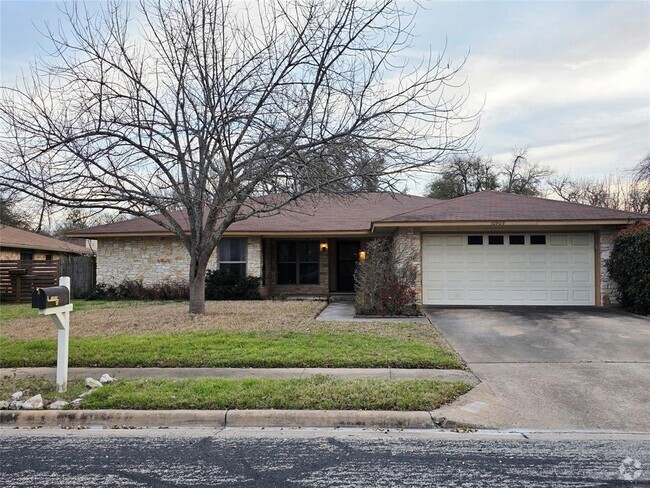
column 617, row 191
column 210, row 106
column 332, row 162
column 462, row 175
column 522, row 176
column 642, row 170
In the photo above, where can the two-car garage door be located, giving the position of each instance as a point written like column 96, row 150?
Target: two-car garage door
column 508, row 269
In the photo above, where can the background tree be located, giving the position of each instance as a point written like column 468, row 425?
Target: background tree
column 330, row 163
column 75, row 219
column 11, row 213
column 620, row 191
column 210, row 107
column 524, row 177
column 642, row 170
column 462, row 175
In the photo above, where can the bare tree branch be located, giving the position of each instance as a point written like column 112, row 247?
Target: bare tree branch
column 207, row 106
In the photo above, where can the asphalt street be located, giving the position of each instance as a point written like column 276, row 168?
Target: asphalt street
column 332, row 458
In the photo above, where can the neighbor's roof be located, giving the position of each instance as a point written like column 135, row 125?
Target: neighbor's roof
column 315, row 213
column 11, row 237
column 490, row 206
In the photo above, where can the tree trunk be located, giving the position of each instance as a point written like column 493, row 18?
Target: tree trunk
column 198, row 269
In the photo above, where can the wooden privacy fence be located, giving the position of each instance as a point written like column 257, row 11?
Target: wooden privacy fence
column 18, row 278
column 82, row 273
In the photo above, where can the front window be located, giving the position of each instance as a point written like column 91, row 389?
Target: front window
column 232, row 256
column 26, row 256
column 298, row 262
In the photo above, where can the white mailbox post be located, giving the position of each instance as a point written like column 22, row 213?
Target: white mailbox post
column 61, row 316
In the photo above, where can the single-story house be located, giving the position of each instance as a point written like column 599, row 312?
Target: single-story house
column 488, row 248
column 20, row 244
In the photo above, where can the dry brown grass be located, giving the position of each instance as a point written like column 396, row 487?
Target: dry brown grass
column 172, row 317
column 236, row 316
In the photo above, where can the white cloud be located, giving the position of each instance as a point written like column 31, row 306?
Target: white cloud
column 513, row 88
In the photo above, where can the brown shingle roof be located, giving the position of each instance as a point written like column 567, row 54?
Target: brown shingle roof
column 11, row 237
column 489, row 206
column 318, row 213
column 331, row 214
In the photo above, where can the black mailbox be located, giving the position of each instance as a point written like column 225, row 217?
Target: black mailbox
column 55, row 296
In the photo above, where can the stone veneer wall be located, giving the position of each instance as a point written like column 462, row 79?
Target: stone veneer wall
column 608, row 290
column 157, row 259
column 409, row 241
column 254, row 257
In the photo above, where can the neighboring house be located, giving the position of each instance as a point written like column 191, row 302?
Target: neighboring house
column 21, row 244
column 487, row 248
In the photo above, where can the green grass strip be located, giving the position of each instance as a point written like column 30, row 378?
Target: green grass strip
column 315, row 393
column 229, row 349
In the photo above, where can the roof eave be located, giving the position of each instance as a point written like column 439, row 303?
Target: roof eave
column 234, row 233
column 505, row 223
column 43, row 248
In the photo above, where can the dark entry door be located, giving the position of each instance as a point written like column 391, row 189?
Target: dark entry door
column 347, row 256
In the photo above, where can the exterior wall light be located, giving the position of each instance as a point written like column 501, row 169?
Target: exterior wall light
column 323, row 246
column 362, row 255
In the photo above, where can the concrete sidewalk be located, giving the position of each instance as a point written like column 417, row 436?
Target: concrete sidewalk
column 277, row 373
column 344, row 312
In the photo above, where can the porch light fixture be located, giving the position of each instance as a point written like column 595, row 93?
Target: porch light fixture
column 323, row 246
column 362, row 255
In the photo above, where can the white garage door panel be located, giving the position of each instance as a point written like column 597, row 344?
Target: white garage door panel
column 560, row 272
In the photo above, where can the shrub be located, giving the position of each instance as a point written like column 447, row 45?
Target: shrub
column 385, row 281
column 629, row 267
column 136, row 290
column 221, row 285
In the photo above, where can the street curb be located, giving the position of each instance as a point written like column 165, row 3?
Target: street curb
column 112, row 418
column 329, row 418
column 217, row 418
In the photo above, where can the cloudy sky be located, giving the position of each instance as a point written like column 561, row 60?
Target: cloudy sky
column 568, row 80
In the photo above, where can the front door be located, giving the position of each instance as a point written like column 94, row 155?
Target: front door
column 347, row 256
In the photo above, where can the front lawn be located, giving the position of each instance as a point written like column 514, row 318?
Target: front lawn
column 231, row 334
column 11, row 311
column 314, row 393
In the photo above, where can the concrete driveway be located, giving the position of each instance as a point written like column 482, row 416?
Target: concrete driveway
column 551, row 368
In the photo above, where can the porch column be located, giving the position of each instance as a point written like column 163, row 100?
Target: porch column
column 608, row 291
column 254, row 265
